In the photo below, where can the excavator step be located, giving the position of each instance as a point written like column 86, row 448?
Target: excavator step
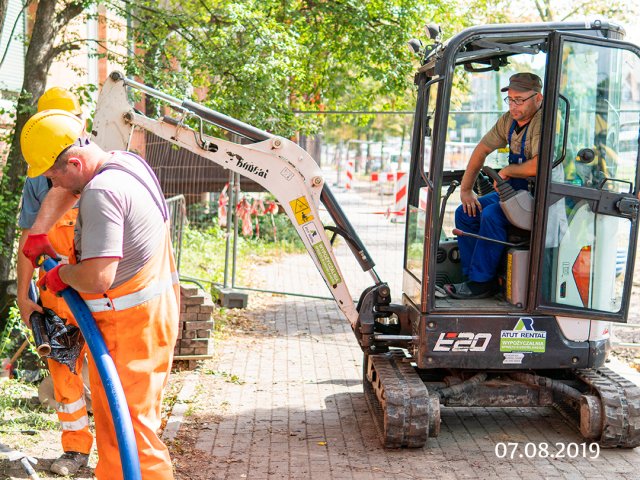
column 403, row 411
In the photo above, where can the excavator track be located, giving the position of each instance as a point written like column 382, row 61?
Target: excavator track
column 403, row 411
column 620, row 407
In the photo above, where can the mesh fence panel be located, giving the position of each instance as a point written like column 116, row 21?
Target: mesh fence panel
column 199, row 183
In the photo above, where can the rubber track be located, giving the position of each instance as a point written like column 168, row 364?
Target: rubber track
column 620, row 406
column 402, row 419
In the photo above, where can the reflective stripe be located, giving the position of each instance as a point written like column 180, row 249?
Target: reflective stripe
column 132, row 299
column 79, row 424
column 71, row 407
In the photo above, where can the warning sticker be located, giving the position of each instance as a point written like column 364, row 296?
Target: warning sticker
column 286, row 173
column 523, row 338
column 329, row 269
column 311, row 232
column 301, row 210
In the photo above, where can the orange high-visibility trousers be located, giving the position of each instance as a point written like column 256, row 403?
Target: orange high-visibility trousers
column 139, row 323
column 68, row 388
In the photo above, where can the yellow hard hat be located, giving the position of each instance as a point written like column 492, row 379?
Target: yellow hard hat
column 60, row 99
column 45, row 136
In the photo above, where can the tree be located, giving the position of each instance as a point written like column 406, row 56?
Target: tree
column 260, row 60
column 553, row 11
column 3, row 12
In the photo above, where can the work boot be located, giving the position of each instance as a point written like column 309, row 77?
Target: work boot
column 69, row 463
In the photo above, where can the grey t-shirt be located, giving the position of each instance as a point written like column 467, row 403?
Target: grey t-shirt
column 119, row 217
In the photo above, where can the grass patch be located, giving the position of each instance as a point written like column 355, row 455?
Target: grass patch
column 228, row 377
column 203, row 251
column 19, row 413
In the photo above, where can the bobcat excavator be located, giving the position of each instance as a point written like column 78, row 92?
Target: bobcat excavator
column 567, row 272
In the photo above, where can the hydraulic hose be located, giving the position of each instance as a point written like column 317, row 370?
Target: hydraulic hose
column 110, row 380
column 463, row 386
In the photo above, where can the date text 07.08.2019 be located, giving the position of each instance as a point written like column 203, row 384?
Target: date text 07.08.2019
column 513, row 450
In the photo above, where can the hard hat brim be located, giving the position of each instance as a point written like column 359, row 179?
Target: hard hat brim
column 35, row 172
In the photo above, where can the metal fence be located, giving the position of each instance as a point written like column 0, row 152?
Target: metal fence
column 177, row 216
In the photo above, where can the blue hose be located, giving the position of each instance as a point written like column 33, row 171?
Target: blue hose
column 110, row 380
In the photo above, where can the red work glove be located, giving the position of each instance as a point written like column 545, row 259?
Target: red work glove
column 37, row 245
column 52, row 282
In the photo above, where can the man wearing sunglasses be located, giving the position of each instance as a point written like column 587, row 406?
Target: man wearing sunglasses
column 519, row 128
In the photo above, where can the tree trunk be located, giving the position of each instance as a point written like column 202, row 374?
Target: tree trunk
column 40, row 54
column 3, row 12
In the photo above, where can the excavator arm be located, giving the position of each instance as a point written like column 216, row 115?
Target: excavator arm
column 279, row 165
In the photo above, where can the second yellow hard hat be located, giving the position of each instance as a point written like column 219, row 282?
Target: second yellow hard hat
column 45, row 136
column 60, row 99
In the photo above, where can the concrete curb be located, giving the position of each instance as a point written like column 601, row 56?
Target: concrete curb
column 180, row 407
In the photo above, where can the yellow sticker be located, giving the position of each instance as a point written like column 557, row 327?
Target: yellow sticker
column 301, row 210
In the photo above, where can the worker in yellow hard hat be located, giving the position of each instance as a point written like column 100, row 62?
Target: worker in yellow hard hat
column 124, row 271
column 68, row 388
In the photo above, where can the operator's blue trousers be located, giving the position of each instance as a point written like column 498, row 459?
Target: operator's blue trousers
column 480, row 259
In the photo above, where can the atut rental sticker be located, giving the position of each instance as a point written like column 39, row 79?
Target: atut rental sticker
column 326, row 263
column 329, row 269
column 523, row 338
column 301, row 210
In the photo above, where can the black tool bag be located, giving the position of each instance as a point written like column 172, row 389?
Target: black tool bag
column 66, row 340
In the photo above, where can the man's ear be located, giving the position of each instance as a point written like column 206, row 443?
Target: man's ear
column 75, row 162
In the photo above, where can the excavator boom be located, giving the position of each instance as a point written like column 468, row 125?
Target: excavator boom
column 279, row 165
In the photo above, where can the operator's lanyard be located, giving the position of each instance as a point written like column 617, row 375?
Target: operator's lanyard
column 518, row 183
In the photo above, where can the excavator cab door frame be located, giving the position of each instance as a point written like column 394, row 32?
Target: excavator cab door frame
column 587, row 192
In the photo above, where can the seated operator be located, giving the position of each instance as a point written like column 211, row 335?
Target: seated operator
column 520, row 129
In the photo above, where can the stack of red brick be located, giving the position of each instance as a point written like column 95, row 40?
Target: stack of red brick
column 196, row 325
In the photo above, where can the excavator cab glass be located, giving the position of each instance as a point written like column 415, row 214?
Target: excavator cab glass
column 576, row 257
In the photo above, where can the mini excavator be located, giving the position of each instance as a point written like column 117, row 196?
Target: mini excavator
column 542, row 340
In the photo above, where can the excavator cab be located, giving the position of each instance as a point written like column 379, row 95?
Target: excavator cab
column 563, row 279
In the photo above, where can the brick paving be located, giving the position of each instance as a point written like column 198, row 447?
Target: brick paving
column 293, row 407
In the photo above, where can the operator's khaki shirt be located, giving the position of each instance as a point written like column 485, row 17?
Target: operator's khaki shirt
column 498, row 136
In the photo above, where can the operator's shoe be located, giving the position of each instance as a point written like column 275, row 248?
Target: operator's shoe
column 69, row 463
column 470, row 289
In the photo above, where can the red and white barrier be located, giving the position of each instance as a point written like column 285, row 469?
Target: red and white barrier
column 396, row 184
column 349, row 184
column 401, row 186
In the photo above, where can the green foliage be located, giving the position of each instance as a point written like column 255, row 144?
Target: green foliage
column 261, row 60
column 18, row 413
column 9, row 197
column 228, row 377
column 202, row 214
column 203, row 248
column 13, row 333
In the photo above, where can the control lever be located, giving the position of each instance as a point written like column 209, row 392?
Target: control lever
column 459, row 233
column 517, row 205
column 483, row 185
